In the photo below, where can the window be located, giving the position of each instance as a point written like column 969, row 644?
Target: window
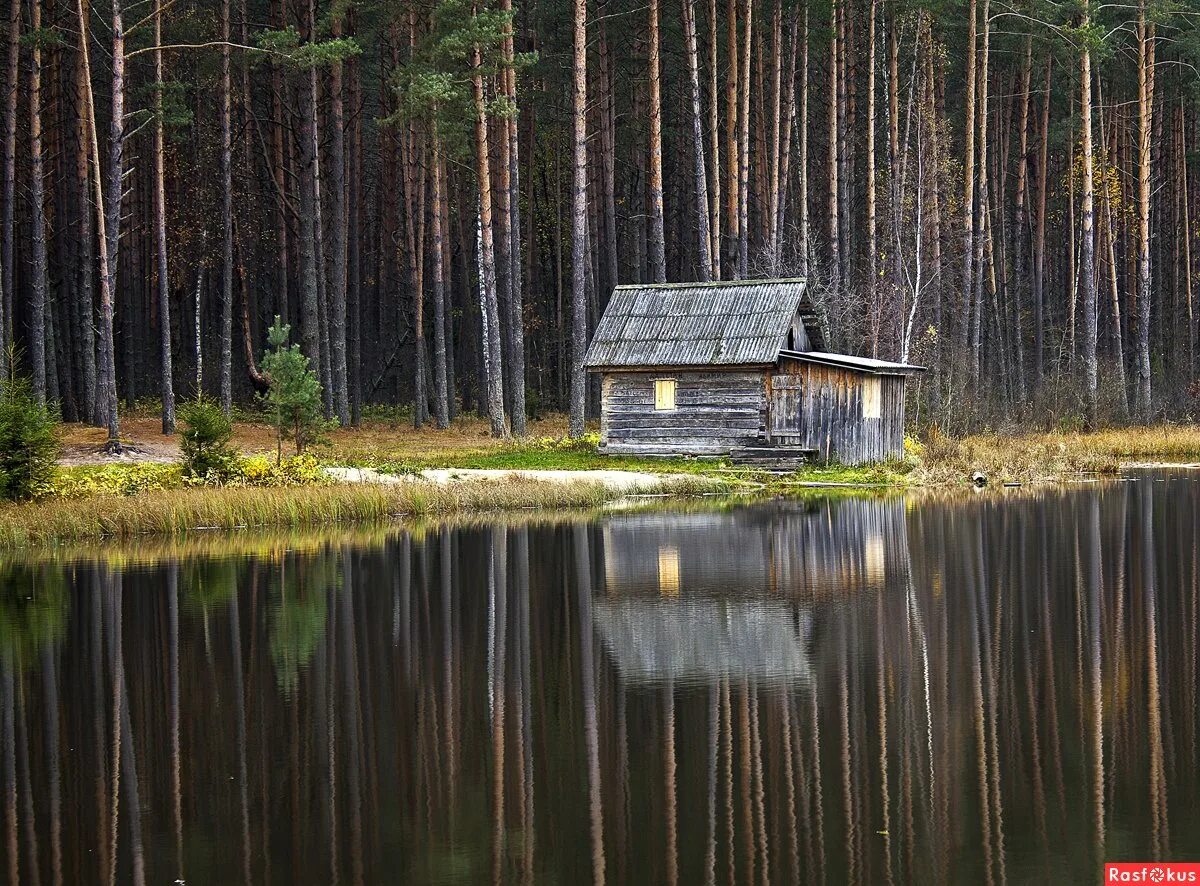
column 872, row 397
column 664, row 394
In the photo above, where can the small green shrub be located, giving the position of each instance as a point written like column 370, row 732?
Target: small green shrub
column 28, row 442
column 293, row 399
column 204, row 439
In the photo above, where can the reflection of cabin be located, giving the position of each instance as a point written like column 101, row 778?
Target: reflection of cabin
column 770, row 550
column 701, row 641
column 715, row 368
column 699, row 597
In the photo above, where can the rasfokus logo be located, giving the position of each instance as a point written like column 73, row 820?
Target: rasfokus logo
column 1152, row 872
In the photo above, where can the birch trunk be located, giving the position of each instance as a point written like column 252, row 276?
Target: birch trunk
column 579, row 320
column 489, row 306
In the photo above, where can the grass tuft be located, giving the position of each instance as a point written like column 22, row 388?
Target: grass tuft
column 182, row 511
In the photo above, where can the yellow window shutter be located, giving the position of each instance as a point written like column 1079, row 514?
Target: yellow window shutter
column 664, row 393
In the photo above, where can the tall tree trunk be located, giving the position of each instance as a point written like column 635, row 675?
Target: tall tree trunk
column 835, row 239
column 785, row 147
column 12, row 89
column 226, row 103
column 310, row 199
column 489, row 306
column 714, row 143
column 512, row 226
column 1021, row 246
column 1039, row 234
column 167, row 386
column 441, row 396
column 658, row 255
column 579, row 321
column 339, row 242
column 1087, row 251
column 968, row 202
column 700, row 175
column 112, row 225
column 1146, row 54
column 730, row 257
column 873, row 299
column 37, row 198
column 773, row 187
column 84, row 307
column 743, row 258
column 802, row 157
column 982, row 230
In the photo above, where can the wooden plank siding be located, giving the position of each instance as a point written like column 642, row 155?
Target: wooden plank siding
column 821, row 407
column 714, row 412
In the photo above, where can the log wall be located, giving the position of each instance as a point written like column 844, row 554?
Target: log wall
column 714, row 412
column 821, row 408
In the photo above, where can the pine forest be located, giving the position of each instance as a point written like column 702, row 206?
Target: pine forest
column 440, row 196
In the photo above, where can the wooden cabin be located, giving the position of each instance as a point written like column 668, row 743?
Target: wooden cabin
column 739, row 368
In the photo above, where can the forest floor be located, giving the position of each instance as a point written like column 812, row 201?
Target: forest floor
column 466, row 451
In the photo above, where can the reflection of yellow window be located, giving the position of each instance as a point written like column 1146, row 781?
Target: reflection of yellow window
column 664, row 393
column 668, row 571
column 872, row 397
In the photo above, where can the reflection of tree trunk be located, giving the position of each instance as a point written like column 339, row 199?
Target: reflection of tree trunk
column 526, row 681
column 847, row 758
column 173, row 713
column 239, row 706
column 672, row 847
column 747, row 772
column 10, row 773
column 587, row 665
column 353, row 724
column 28, row 816
column 498, row 581
column 124, row 752
column 726, row 718
column 1160, row 837
column 979, row 716
column 710, row 847
column 50, row 697
column 1095, row 591
column 759, row 794
column 448, row 702
column 881, row 689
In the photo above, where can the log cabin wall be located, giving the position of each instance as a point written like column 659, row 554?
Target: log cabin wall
column 822, row 408
column 714, row 412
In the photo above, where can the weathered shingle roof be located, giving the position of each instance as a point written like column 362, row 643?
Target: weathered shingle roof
column 700, row 324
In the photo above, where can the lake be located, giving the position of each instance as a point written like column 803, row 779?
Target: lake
column 996, row 688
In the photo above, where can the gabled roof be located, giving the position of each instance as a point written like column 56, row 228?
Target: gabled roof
column 733, row 323
column 868, row 365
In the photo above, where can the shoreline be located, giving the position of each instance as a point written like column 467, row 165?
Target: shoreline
column 382, row 473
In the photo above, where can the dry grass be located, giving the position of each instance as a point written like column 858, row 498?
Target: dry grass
column 1031, row 458
column 179, row 512
column 393, row 439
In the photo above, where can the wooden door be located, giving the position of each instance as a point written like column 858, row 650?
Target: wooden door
column 785, row 409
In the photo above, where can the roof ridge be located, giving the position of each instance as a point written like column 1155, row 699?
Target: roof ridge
column 696, row 284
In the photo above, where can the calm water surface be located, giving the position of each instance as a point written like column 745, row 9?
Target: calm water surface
column 971, row 690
